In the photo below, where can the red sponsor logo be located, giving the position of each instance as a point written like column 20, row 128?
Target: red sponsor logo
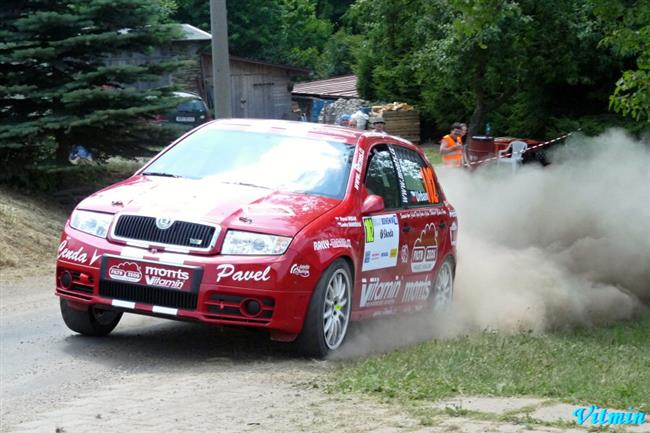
column 126, row 271
column 150, row 274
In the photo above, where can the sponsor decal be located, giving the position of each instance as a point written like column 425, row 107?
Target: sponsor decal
column 126, row 271
column 416, row 291
column 418, row 197
column 369, row 229
column 603, row 417
column 386, row 233
column 165, row 277
column 78, row 255
column 229, row 271
column 348, row 221
column 375, row 292
column 150, row 274
column 381, row 241
column 404, row 254
column 326, row 244
column 423, row 213
column 453, row 233
column 400, row 176
column 357, row 168
column 300, row 270
column 95, row 257
column 425, row 250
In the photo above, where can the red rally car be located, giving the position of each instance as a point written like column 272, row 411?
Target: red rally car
column 292, row 227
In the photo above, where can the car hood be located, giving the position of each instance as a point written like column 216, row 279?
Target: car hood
column 232, row 206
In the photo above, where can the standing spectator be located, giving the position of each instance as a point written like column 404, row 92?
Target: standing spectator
column 451, row 146
column 361, row 117
column 463, row 127
column 379, row 125
column 343, row 120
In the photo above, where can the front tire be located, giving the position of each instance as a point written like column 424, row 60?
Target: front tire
column 328, row 316
column 95, row 321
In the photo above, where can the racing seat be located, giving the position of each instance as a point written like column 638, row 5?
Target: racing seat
column 516, row 150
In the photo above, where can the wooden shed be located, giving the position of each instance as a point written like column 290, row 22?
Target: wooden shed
column 258, row 89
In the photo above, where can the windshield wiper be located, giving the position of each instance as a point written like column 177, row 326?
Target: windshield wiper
column 155, row 173
column 247, row 184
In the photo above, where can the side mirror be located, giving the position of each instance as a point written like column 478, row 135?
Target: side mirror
column 372, row 203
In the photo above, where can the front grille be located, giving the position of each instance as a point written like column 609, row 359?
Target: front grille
column 148, row 295
column 182, row 233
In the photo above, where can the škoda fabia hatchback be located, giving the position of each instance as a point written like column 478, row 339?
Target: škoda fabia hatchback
column 294, row 228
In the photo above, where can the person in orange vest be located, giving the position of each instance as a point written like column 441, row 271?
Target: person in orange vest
column 451, row 146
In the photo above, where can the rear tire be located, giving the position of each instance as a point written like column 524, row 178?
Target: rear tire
column 328, row 316
column 443, row 287
column 95, row 321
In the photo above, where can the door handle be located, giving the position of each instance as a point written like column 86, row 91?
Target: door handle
column 442, row 225
column 406, row 229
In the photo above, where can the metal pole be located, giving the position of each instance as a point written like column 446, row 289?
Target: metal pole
column 220, row 59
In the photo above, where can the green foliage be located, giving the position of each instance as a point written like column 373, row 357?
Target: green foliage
column 513, row 63
column 58, row 91
column 299, row 32
column 627, row 26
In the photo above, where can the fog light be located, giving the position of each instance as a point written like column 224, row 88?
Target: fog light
column 251, row 307
column 66, row 279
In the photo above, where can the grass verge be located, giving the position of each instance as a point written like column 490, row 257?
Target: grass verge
column 433, row 154
column 608, row 366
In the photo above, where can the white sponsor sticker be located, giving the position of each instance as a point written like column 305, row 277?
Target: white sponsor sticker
column 300, row 270
column 126, row 271
column 78, row 255
column 453, row 233
column 168, row 278
column 326, row 244
column 415, row 291
column 123, row 304
column 404, row 254
column 425, row 249
column 165, row 310
column 348, row 221
column 375, row 292
column 357, row 168
column 229, row 271
column 381, row 242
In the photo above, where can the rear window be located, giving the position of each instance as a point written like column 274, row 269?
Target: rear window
column 265, row 160
column 191, row 105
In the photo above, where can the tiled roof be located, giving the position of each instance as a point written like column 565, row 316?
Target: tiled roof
column 339, row 87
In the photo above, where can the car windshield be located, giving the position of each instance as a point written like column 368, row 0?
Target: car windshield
column 265, row 160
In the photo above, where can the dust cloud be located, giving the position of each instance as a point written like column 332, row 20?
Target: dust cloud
column 543, row 249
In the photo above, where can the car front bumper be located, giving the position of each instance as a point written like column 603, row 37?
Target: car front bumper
column 258, row 292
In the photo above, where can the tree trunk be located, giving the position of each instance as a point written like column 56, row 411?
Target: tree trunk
column 63, row 147
column 478, row 117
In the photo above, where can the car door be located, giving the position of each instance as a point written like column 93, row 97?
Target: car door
column 424, row 220
column 382, row 266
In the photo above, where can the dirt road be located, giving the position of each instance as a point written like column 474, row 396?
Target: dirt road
column 152, row 375
column 155, row 375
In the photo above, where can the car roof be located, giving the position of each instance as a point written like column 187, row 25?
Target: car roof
column 186, row 95
column 296, row 128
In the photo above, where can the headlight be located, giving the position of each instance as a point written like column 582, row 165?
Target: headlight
column 93, row 223
column 254, row 244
